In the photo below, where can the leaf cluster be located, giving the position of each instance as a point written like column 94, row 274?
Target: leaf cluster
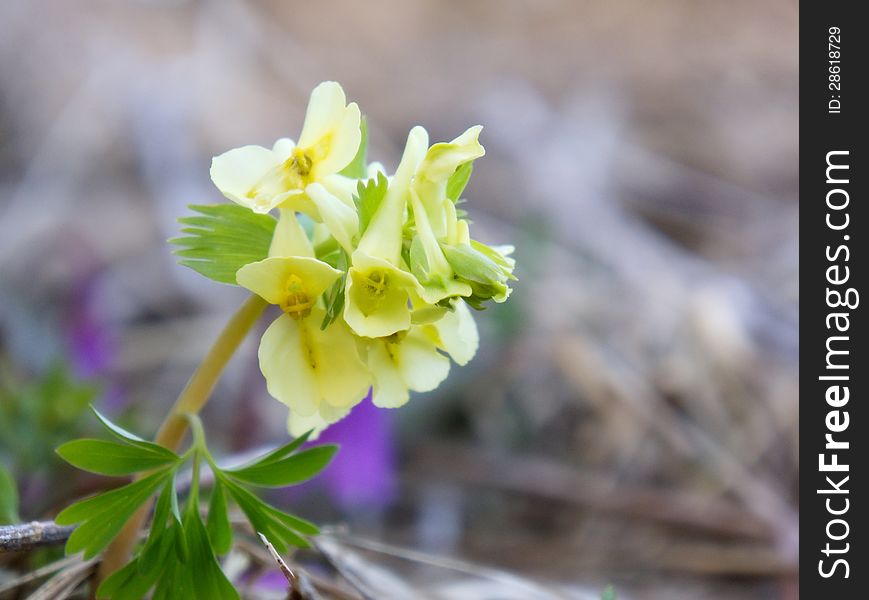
column 223, row 238
column 179, row 557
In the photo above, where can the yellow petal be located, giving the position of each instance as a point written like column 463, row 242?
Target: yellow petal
column 382, row 238
column 298, row 424
column 422, row 367
column 389, row 390
column 311, row 370
column 268, row 278
column 331, row 133
column 341, row 220
column 457, row 333
column 442, row 159
column 377, row 296
column 236, row 172
column 342, row 376
column 343, row 188
column 290, row 238
column 325, row 108
column 343, row 143
column 411, row 364
column 283, row 362
column 283, row 149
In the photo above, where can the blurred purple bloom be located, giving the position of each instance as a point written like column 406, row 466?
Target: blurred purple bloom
column 362, row 475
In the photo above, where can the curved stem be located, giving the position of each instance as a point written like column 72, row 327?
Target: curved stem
column 190, row 402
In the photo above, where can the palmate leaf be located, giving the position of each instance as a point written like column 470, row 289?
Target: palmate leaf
column 289, row 470
column 101, row 518
column 368, row 197
column 218, row 526
column 334, row 296
column 222, row 239
column 282, row 529
column 112, row 458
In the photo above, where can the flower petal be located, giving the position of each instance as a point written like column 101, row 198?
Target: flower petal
column 422, row 367
column 290, row 238
column 268, row 278
column 457, row 333
column 325, row 108
column 341, row 220
column 283, row 360
column 331, row 134
column 342, row 376
column 343, row 143
column 389, row 391
column 382, row 238
column 237, row 171
column 283, row 149
column 373, row 313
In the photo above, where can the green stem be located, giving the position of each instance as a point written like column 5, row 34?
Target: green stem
column 190, row 402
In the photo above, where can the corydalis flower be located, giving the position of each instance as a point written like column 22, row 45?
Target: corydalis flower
column 411, row 361
column 316, row 372
column 303, row 176
column 379, row 290
column 376, row 291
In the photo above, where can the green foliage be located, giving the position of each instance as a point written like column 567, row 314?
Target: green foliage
column 101, row 518
column 179, row 556
column 8, row 497
column 222, row 239
column 112, row 458
column 368, row 197
column 292, row 469
column 459, row 180
column 358, row 167
column 334, row 296
column 609, row 593
column 483, row 268
column 36, row 414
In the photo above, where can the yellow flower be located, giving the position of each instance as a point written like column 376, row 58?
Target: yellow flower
column 301, row 176
column 403, row 362
column 317, row 373
column 410, row 361
column 378, row 289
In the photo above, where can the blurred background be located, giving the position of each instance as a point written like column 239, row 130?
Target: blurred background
column 631, row 418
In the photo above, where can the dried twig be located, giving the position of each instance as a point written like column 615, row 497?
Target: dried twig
column 38, row 574
column 15, row 538
column 65, row 582
column 534, row 589
column 300, row 587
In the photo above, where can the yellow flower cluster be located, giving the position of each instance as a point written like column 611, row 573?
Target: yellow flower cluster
column 374, row 274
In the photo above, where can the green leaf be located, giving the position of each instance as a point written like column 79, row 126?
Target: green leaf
column 102, row 517
column 131, row 438
column 609, row 593
column 287, row 471
column 368, row 197
column 279, row 527
column 128, row 583
column 8, row 497
column 459, row 180
column 219, row 529
column 334, row 296
column 112, row 458
column 358, row 167
column 203, row 571
column 281, row 452
column 223, row 240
